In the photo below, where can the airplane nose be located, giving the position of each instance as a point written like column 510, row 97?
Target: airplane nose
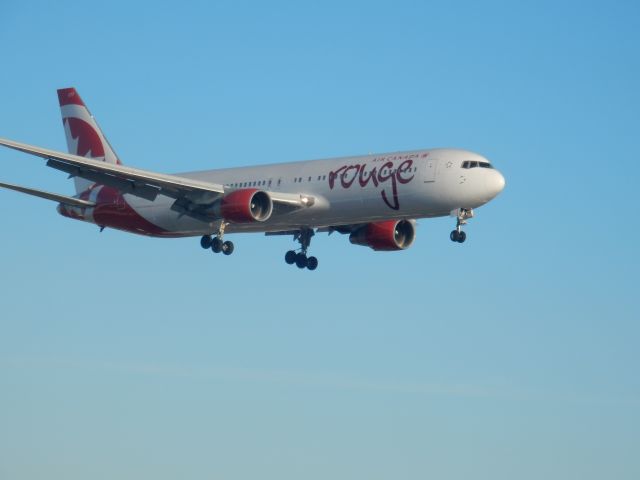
column 500, row 182
column 495, row 183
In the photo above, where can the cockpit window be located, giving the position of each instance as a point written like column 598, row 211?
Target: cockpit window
column 474, row 164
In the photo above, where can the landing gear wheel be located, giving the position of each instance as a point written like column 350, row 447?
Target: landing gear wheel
column 205, row 242
column 290, row 257
column 301, row 260
column 462, row 215
column 227, row 248
column 216, row 245
column 312, row 263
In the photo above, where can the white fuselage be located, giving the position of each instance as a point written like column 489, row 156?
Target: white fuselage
column 348, row 190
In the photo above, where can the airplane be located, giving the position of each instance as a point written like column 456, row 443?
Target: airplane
column 375, row 199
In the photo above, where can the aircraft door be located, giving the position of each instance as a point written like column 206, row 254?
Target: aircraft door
column 430, row 169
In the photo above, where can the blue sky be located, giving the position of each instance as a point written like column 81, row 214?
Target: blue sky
column 514, row 355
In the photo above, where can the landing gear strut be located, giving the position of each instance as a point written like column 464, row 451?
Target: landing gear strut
column 300, row 258
column 462, row 215
column 217, row 244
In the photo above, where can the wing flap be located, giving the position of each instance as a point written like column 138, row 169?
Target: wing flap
column 137, row 188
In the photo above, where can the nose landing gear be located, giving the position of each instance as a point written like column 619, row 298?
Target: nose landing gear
column 300, row 258
column 217, row 244
column 458, row 236
column 462, row 215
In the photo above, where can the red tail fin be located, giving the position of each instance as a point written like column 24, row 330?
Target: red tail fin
column 84, row 136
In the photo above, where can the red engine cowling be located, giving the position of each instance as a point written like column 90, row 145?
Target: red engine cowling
column 389, row 235
column 246, row 206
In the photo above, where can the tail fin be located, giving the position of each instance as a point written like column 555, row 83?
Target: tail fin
column 84, row 137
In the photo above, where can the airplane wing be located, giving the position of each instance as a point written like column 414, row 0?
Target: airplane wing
column 72, row 201
column 192, row 196
column 137, row 182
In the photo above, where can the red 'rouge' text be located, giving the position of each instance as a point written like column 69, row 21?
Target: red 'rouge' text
column 378, row 175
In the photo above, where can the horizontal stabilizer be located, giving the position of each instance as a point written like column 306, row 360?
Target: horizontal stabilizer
column 74, row 202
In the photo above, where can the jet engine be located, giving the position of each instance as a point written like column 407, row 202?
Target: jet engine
column 246, row 206
column 389, row 235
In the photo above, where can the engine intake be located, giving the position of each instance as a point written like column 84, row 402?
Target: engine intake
column 385, row 236
column 246, row 206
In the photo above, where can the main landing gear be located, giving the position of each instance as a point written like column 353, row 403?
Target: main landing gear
column 217, row 244
column 462, row 216
column 300, row 258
